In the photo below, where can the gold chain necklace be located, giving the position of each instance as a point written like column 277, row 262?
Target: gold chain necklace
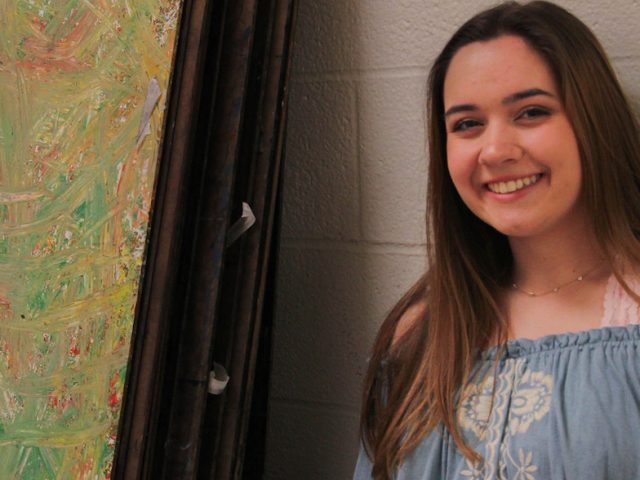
column 579, row 278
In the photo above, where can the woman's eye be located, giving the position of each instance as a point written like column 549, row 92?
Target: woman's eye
column 463, row 125
column 534, row 112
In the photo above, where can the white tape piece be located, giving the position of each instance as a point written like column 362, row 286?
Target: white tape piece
column 153, row 95
column 218, row 379
column 241, row 225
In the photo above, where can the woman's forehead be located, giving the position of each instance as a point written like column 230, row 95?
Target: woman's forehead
column 494, row 69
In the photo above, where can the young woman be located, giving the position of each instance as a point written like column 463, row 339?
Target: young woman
column 517, row 355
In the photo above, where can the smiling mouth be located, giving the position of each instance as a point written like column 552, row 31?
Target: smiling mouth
column 513, row 185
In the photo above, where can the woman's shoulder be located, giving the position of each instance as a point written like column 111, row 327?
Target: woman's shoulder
column 409, row 318
column 620, row 306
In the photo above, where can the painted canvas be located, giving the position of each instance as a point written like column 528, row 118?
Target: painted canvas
column 82, row 92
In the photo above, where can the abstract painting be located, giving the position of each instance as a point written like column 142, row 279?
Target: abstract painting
column 82, row 92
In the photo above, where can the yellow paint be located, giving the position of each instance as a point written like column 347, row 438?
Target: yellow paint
column 75, row 194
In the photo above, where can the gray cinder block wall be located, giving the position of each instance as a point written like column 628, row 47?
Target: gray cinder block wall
column 353, row 224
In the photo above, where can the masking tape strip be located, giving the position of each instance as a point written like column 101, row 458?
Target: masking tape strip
column 241, row 225
column 218, row 379
column 153, row 95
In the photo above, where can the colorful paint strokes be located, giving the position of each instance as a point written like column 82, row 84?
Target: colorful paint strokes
column 82, row 99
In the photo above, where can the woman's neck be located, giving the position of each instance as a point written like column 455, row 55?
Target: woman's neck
column 544, row 262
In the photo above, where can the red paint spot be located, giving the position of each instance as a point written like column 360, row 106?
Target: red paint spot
column 114, row 400
column 67, row 401
column 52, row 401
column 39, row 23
column 74, row 350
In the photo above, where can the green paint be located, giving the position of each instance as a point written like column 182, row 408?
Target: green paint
column 74, row 203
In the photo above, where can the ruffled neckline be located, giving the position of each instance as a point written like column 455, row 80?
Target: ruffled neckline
column 523, row 346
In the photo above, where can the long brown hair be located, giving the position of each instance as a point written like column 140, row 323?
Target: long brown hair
column 411, row 385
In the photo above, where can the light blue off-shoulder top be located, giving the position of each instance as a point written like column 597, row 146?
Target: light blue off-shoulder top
column 563, row 407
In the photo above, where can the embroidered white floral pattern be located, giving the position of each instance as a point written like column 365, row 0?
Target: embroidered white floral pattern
column 521, row 397
column 472, row 471
column 531, row 400
column 474, row 411
column 525, row 469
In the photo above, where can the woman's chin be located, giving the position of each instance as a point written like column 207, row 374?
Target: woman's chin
column 517, row 229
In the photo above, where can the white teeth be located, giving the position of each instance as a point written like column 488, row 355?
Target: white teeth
column 513, row 185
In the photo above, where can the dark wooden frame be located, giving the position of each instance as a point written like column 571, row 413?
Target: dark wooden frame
column 223, row 143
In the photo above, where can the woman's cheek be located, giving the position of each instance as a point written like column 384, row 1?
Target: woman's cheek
column 461, row 165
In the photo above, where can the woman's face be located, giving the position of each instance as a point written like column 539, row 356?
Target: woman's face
column 511, row 150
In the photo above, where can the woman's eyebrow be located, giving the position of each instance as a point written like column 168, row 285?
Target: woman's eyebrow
column 531, row 92
column 466, row 107
column 514, row 97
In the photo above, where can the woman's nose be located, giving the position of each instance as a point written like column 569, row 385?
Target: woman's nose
column 500, row 146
